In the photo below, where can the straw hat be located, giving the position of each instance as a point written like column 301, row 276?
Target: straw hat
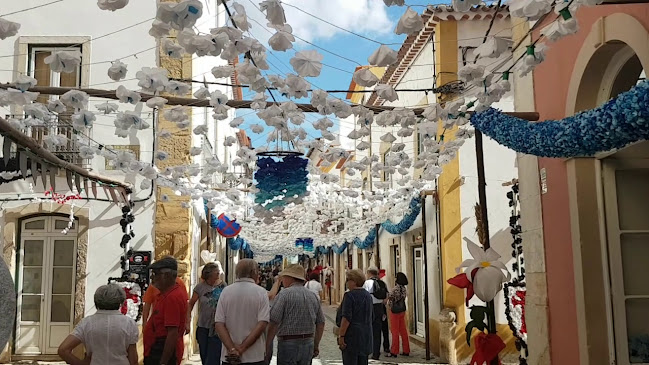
column 294, row 271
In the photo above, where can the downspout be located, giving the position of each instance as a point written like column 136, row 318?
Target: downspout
column 425, row 244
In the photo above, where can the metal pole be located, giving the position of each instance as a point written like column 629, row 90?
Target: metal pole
column 482, row 196
column 377, row 259
column 425, row 244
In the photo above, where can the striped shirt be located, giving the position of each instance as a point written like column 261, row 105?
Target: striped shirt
column 296, row 311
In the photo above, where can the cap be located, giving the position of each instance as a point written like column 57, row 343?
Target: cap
column 165, row 263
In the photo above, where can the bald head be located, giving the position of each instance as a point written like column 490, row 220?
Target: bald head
column 247, row 268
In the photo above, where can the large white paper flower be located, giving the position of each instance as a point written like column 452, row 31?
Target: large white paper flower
column 490, row 276
column 156, row 102
column 178, row 88
column 307, row 63
column 220, row 72
column 283, row 39
column 111, row 5
column 409, row 22
column 296, row 86
column 152, row 79
column 180, row 16
column 117, row 71
column 159, row 29
column 394, row 2
column 471, row 72
column 83, row 119
column 365, row 77
column 56, row 106
column 23, row 82
column 172, row 49
column 274, row 11
column 107, row 107
column 75, row 99
column 240, row 18
column 386, row 92
column 8, row 28
column 127, row 96
column 64, row 61
column 531, row 9
column 464, row 5
column 560, row 28
column 383, row 56
column 493, row 47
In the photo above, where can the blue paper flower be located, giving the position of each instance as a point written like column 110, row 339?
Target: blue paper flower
column 287, row 177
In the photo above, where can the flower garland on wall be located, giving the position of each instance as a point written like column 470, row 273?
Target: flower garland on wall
column 133, row 305
column 515, row 229
column 408, row 219
column 615, row 124
column 281, row 181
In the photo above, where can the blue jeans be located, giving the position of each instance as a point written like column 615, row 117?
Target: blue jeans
column 295, row 352
column 208, row 346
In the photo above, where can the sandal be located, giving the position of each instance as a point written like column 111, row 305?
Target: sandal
column 391, row 355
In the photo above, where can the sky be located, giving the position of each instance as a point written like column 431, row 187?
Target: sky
column 370, row 18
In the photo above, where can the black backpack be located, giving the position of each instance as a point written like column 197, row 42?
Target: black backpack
column 379, row 289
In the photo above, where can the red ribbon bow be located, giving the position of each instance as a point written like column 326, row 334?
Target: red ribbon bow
column 487, row 348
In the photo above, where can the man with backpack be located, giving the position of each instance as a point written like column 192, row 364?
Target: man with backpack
column 379, row 291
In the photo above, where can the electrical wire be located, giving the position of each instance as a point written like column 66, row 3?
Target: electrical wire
column 28, row 9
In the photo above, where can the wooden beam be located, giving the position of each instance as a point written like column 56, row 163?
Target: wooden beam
column 237, row 104
column 29, row 143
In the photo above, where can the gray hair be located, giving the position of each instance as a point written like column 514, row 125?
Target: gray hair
column 246, row 268
column 373, row 270
column 109, row 297
column 210, row 268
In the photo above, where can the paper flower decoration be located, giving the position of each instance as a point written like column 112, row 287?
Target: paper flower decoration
column 296, row 86
column 409, row 22
column 240, row 18
column 178, row 88
column 152, row 80
column 471, row 72
column 464, row 5
column 8, row 28
column 535, row 54
column 117, row 71
column 384, row 56
column 176, row 114
column 127, row 96
column 75, row 99
column 394, row 2
column 82, row 119
column 274, row 11
column 23, row 82
column 161, row 155
column 20, row 97
column 565, row 25
column 53, row 140
column 489, row 278
column 180, row 16
column 365, row 77
column 201, row 129
column 159, row 29
column 283, row 39
column 111, row 5
column 386, row 92
column 56, row 106
column 230, row 141
column 220, row 72
column 64, row 61
column 236, row 122
column 156, row 102
column 172, row 49
column 307, row 63
column 531, row 9
column 256, row 128
column 493, row 47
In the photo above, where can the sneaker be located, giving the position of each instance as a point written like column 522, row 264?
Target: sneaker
column 404, row 354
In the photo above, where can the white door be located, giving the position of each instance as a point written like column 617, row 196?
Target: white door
column 47, row 262
column 626, row 184
column 418, row 275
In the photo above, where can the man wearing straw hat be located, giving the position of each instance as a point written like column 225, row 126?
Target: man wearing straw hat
column 297, row 319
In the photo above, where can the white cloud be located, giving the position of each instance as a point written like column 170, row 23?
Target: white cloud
column 360, row 16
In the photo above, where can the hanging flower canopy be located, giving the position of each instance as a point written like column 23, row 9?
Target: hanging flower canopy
column 280, row 181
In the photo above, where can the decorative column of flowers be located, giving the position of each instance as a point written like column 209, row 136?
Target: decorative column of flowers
column 516, row 290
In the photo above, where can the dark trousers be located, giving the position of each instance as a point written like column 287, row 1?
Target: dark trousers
column 386, row 332
column 249, row 363
column 155, row 355
column 353, row 358
column 208, row 346
column 377, row 328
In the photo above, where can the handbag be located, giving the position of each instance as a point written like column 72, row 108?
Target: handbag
column 399, row 306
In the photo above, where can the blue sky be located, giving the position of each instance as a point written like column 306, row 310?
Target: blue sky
column 337, row 72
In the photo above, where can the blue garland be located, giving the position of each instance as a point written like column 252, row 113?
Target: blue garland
column 407, row 221
column 305, row 243
column 617, row 123
column 239, row 243
column 338, row 250
column 368, row 241
column 287, row 177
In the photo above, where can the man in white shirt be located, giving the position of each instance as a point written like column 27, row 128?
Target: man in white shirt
column 242, row 316
column 379, row 292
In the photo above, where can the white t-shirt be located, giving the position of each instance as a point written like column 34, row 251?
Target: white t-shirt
column 369, row 286
column 107, row 335
column 314, row 287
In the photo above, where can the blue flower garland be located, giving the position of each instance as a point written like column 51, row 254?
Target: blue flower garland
column 615, row 124
column 287, row 177
column 368, row 241
column 408, row 219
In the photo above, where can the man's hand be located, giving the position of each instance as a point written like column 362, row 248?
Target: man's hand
column 87, row 359
column 241, row 349
column 341, row 343
column 188, row 327
column 316, row 352
column 234, row 352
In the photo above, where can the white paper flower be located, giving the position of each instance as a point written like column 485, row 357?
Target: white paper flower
column 127, row 96
column 274, row 11
column 236, row 122
column 394, row 2
column 230, row 141
column 240, row 18
column 409, row 22
column 201, row 129
column 117, row 71
column 111, row 5
column 75, row 99
column 159, row 29
column 307, row 63
column 56, row 106
column 83, row 119
column 164, row 198
column 365, row 77
column 471, row 72
column 8, row 28
column 464, row 5
column 176, row 114
column 560, row 28
column 202, row 93
column 172, row 49
column 23, row 82
column 384, row 56
column 182, row 15
column 130, row 120
column 156, row 102
column 283, row 39
column 490, row 276
column 178, row 88
column 195, row 151
column 296, row 87
column 64, row 61
column 220, row 72
column 161, row 155
column 386, row 92
column 256, row 128
column 165, row 134
column 152, row 80
column 53, row 140
column 535, row 55
column 493, row 47
column 531, row 9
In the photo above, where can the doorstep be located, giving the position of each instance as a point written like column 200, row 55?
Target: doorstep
column 421, row 341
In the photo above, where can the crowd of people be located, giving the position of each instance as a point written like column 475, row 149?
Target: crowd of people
column 242, row 322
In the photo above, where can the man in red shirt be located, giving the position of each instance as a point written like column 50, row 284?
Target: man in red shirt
column 163, row 333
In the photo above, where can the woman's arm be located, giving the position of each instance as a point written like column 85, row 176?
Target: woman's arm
column 344, row 325
column 65, row 351
column 190, row 307
column 132, row 354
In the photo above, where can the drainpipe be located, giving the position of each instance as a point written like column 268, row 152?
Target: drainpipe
column 426, row 309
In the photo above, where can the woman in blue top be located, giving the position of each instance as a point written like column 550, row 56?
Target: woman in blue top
column 355, row 334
